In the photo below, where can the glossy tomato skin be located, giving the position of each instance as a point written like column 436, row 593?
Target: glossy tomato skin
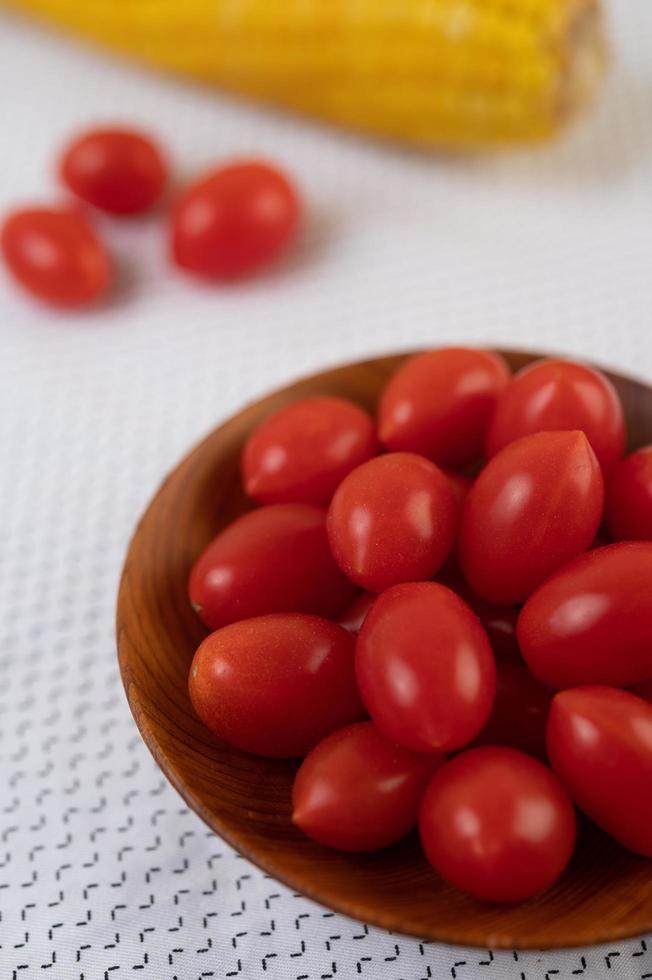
column 275, row 685
column 234, row 220
column 274, row 559
column 461, row 485
column 393, row 519
column 302, row 452
column 358, row 791
column 520, row 712
column 497, row 824
column 628, row 502
column 600, row 746
column 354, row 615
column 534, row 507
column 425, row 668
column 54, row 254
column 439, row 404
column 591, row 623
column 116, row 170
column 560, row 395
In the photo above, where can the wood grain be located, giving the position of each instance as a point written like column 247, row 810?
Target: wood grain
column 605, row 895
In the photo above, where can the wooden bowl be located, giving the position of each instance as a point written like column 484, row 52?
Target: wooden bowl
column 605, row 895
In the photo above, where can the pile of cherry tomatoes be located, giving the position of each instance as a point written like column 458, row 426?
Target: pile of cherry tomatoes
column 222, row 227
column 444, row 571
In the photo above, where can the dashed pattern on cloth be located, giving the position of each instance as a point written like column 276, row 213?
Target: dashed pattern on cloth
column 104, row 873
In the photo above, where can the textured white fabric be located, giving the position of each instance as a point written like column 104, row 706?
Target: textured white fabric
column 103, row 872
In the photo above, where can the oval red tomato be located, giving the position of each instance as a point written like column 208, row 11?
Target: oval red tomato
column 534, row 507
column 274, row 559
column 354, row 615
column 554, row 395
column 520, row 712
column 600, row 746
column 591, row 623
column 234, row 220
column 55, row 255
column 358, row 791
column 497, row 824
column 425, row 668
column 440, row 403
column 276, row 685
column 117, row 170
column 393, row 519
column 303, row 451
column 628, row 503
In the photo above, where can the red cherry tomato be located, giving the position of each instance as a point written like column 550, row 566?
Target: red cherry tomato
column 355, row 615
column 276, row 685
column 499, row 621
column 357, row 791
column 628, row 503
column 303, row 452
column 591, row 623
column 560, row 395
column 600, row 746
column 497, row 824
column 116, row 170
column 233, row 220
column 534, row 506
column 439, row 404
column 520, row 711
column 425, row 668
column 393, row 519
column 55, row 255
column 274, row 559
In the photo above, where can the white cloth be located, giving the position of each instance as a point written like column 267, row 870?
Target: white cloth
column 104, row 873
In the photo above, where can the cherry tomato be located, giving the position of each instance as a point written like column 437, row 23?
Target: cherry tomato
column 303, row 452
column 425, row 668
column 440, row 403
column 233, row 220
column 499, row 621
column 354, row 616
column 534, row 506
column 357, row 791
column 600, row 746
column 591, row 623
column 497, row 824
column 116, row 170
column 275, row 685
column 560, row 395
column 520, row 711
column 628, row 502
column 55, row 255
column 274, row 559
column 393, row 519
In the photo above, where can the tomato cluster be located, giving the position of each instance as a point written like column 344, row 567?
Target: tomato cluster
column 447, row 649
column 222, row 227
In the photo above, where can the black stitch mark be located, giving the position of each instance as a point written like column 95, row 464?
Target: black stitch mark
column 397, row 953
column 267, row 956
column 46, row 966
column 642, row 950
column 234, row 973
column 364, row 934
column 79, row 951
column 609, row 957
column 576, row 973
column 116, row 908
column 551, row 973
column 453, row 970
column 234, row 939
column 363, row 959
column 55, row 925
column 489, row 961
column 329, row 976
column 301, row 951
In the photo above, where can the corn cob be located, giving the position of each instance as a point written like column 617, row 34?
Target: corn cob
column 438, row 72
